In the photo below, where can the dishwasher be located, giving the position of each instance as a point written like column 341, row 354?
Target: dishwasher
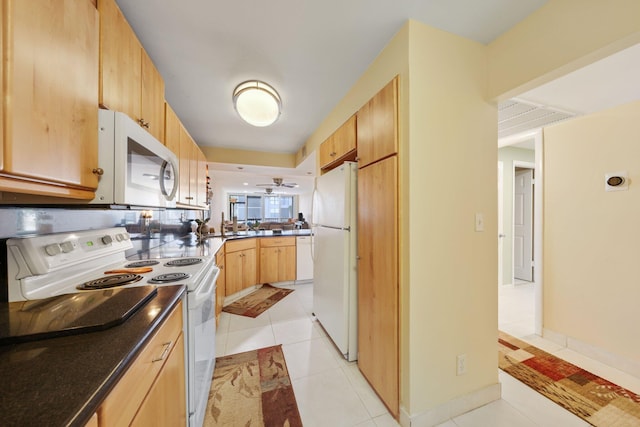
column 304, row 262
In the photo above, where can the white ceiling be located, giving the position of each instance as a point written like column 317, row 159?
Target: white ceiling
column 312, row 52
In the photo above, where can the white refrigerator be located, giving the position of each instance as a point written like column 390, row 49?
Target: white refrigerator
column 335, row 280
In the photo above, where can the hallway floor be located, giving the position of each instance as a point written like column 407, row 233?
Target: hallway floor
column 331, row 391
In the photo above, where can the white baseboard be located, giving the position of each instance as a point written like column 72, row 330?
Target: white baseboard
column 452, row 408
column 623, row 364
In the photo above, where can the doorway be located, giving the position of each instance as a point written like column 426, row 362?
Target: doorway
column 522, row 225
column 520, row 233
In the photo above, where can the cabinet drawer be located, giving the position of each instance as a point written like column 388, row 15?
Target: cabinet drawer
column 269, row 242
column 239, row 245
column 123, row 402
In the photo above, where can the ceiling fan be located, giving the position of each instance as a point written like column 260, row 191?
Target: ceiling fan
column 278, row 182
column 268, row 190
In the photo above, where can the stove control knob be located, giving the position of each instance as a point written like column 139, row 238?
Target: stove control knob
column 106, row 239
column 119, row 237
column 67, row 247
column 53, row 249
column 126, row 236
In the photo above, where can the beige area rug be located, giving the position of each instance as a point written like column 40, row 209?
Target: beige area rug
column 258, row 301
column 599, row 402
column 252, row 389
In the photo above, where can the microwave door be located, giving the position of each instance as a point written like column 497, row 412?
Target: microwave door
column 168, row 181
column 151, row 180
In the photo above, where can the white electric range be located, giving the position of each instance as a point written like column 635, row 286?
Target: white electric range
column 48, row 265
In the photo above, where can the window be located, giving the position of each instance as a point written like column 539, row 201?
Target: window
column 277, row 208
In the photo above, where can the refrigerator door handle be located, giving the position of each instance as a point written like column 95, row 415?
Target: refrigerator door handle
column 335, row 228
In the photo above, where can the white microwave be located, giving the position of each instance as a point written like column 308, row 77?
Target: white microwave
column 135, row 169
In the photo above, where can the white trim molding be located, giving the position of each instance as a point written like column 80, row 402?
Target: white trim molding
column 629, row 366
column 451, row 409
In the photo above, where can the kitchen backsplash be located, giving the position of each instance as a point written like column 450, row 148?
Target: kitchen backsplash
column 21, row 221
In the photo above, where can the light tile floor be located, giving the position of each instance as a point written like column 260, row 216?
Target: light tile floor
column 331, row 391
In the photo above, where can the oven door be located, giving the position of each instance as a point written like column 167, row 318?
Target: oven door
column 201, row 353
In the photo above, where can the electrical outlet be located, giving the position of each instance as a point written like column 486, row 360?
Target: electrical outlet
column 461, row 364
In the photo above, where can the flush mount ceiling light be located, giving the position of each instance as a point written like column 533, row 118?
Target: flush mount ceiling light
column 257, row 103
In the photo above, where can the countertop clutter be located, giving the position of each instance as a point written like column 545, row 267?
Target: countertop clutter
column 63, row 380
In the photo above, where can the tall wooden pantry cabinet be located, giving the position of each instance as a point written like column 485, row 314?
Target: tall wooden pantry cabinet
column 378, row 284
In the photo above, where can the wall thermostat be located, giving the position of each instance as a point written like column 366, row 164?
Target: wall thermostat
column 616, row 181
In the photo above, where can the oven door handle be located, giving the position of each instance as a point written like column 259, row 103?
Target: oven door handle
column 207, row 289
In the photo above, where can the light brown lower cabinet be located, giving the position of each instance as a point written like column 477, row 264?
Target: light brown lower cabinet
column 277, row 259
column 93, row 421
column 152, row 391
column 378, row 300
column 163, row 406
column 240, row 265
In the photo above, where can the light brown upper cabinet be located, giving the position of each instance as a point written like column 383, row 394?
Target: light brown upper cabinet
column 340, row 146
column 201, row 178
column 171, row 130
column 377, row 124
column 187, row 146
column 129, row 82
column 192, row 190
column 152, row 104
column 48, row 114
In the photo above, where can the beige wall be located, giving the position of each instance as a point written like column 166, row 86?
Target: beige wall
column 560, row 37
column 249, row 157
column 452, row 152
column 592, row 237
column 508, row 155
column 446, row 310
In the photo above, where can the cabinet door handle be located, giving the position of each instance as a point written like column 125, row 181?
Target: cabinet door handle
column 142, row 123
column 98, row 171
column 165, row 351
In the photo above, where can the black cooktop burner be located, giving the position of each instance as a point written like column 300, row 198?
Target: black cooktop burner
column 109, row 281
column 169, row 277
column 145, row 263
column 181, row 262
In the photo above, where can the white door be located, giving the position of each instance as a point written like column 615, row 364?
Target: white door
column 523, row 224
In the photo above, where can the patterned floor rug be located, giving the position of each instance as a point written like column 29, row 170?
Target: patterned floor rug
column 258, row 301
column 596, row 400
column 252, row 389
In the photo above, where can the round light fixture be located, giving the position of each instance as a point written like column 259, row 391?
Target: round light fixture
column 257, row 103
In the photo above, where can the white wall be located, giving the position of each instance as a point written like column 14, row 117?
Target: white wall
column 304, row 206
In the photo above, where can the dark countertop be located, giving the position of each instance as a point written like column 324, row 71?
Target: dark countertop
column 62, row 381
column 189, row 245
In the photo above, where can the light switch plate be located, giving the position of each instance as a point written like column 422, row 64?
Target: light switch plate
column 479, row 221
